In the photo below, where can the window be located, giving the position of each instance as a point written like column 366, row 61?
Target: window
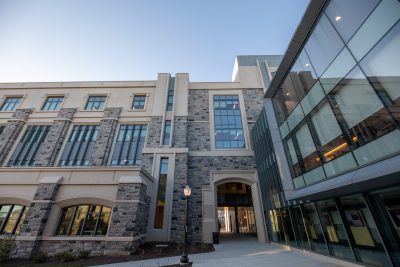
column 79, row 147
column 228, row 122
column 139, row 101
column 84, row 220
column 129, row 145
column 53, row 103
column 170, row 97
column 95, row 103
column 167, row 133
column 11, row 218
column 26, row 151
column 11, row 103
column 162, row 185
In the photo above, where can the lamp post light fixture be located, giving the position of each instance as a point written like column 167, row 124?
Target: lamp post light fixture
column 184, row 259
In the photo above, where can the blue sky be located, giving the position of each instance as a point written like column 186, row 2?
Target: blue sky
column 116, row 40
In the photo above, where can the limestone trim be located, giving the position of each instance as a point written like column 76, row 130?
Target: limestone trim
column 146, row 102
column 221, row 153
column 81, row 238
column 210, row 200
column 64, row 203
column 14, row 200
column 171, row 150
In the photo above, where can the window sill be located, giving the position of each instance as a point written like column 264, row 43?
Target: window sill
column 136, row 110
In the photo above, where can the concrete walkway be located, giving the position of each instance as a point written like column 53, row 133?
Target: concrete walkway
column 243, row 253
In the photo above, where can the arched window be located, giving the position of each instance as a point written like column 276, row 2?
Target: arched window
column 11, row 218
column 84, row 220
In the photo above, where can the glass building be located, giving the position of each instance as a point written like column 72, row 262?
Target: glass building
column 327, row 144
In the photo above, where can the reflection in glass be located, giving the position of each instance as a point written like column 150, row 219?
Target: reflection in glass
column 384, row 16
column 287, row 225
column 368, row 245
column 91, row 220
column 289, row 95
column 323, row 45
column 382, row 68
column 303, row 75
column 300, row 231
column 343, row 17
column 356, row 102
column 307, row 147
column 79, row 220
column 296, row 169
column 333, row 228
column 314, row 229
column 331, row 138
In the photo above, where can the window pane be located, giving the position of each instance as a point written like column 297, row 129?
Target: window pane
column 4, row 210
column 53, row 103
column 314, row 229
column 382, row 68
column 368, row 245
column 167, row 133
column 91, row 221
column 307, row 148
column 361, row 108
column 95, row 102
column 79, row 220
column 385, row 15
column 314, row 96
column 66, row 220
column 303, row 74
column 138, row 102
column 343, row 17
column 12, row 220
column 21, row 221
column 11, row 103
column 300, row 231
column 334, row 230
column 162, row 184
column 228, row 122
column 289, row 95
column 323, row 45
column 104, row 220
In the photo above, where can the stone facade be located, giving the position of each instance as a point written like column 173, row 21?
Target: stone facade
column 253, row 103
column 102, row 147
column 36, row 219
column 11, row 131
column 199, row 135
column 179, row 202
column 51, row 146
column 154, row 132
column 179, row 138
column 198, row 105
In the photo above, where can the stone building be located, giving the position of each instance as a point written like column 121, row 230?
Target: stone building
column 101, row 166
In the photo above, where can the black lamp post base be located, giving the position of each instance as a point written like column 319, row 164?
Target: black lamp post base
column 184, row 259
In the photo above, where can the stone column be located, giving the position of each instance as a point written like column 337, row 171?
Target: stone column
column 36, row 218
column 11, row 132
column 55, row 138
column 105, row 137
column 130, row 213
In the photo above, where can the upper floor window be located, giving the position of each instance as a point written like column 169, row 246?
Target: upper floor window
column 11, row 218
column 129, row 145
column 170, row 97
column 25, row 153
column 167, row 133
column 53, row 103
column 228, row 122
column 79, row 147
column 11, row 103
column 87, row 220
column 95, row 103
column 139, row 102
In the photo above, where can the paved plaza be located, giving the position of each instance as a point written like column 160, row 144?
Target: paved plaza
column 243, row 253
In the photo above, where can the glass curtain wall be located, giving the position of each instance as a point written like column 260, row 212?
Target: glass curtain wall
column 339, row 105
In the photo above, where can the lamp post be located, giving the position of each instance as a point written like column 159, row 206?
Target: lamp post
column 184, row 259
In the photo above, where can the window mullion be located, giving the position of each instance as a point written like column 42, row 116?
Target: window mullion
column 18, row 219
column 98, row 221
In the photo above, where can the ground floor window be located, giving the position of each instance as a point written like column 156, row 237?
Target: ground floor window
column 84, row 220
column 11, row 218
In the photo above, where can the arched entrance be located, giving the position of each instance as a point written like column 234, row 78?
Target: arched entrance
column 235, row 209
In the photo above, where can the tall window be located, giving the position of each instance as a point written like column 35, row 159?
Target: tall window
column 11, row 218
column 95, row 103
column 11, row 103
column 26, row 151
column 53, row 103
column 228, row 122
column 86, row 220
column 167, row 133
column 79, row 147
column 139, row 101
column 170, row 98
column 129, row 145
column 162, row 185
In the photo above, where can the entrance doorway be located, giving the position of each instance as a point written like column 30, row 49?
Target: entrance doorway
column 235, row 209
